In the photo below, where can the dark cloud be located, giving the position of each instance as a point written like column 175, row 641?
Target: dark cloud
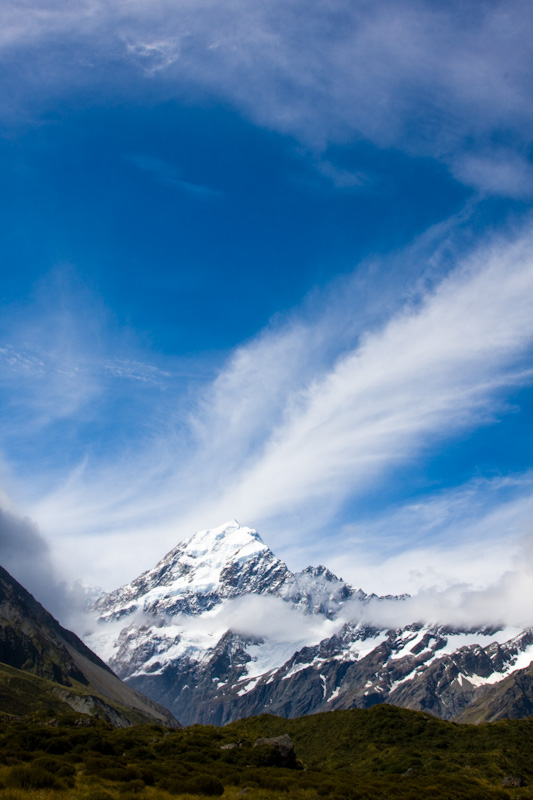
column 25, row 554
column 19, row 539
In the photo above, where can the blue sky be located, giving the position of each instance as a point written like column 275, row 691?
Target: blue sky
column 271, row 262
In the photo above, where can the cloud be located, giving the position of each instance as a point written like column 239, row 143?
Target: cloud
column 168, row 174
column 61, row 351
column 432, row 370
column 46, row 357
column 464, row 555
column 498, row 172
column 469, row 534
column 322, row 404
column 433, row 81
column 18, row 537
column 26, row 555
column 309, row 415
column 505, row 602
column 157, row 55
column 341, row 178
column 260, row 616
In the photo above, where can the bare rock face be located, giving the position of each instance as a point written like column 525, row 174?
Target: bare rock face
column 221, row 629
column 512, row 782
column 278, row 750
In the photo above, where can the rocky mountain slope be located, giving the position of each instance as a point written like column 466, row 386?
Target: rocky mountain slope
column 510, row 698
column 43, row 665
column 221, row 629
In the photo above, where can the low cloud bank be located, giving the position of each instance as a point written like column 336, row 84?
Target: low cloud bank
column 25, row 554
column 504, row 603
column 268, row 618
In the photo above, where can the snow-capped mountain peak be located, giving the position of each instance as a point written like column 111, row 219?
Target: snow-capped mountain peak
column 215, row 547
column 221, row 628
column 199, row 573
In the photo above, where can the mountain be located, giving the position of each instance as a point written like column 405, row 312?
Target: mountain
column 221, row 629
column 510, row 698
column 43, row 666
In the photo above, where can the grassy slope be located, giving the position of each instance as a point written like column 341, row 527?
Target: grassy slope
column 376, row 754
column 389, row 738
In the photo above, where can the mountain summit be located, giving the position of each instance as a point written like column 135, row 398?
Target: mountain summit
column 211, row 566
column 220, row 628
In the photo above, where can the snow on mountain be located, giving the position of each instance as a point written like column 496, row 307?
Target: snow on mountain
column 220, row 628
column 206, row 585
column 198, row 574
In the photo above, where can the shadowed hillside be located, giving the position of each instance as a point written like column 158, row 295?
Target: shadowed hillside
column 45, row 666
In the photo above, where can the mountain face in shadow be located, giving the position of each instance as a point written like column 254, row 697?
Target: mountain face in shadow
column 46, row 665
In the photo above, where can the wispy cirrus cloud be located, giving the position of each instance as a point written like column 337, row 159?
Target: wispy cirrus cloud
column 312, row 413
column 461, row 535
column 170, row 175
column 157, row 54
column 496, row 171
column 433, row 369
column 73, row 385
column 434, row 81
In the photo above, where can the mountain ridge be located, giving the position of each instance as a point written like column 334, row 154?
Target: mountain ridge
column 220, row 628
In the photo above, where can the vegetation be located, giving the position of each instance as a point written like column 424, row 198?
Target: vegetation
column 383, row 752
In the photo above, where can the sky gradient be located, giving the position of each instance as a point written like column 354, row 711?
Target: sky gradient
column 271, row 262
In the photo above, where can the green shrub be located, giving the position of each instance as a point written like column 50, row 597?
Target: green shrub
column 141, row 753
column 108, row 769
column 326, row 789
column 58, row 768
column 34, row 739
column 9, row 759
column 204, row 784
column 116, row 774
column 134, row 787
column 101, row 744
column 146, row 775
column 200, row 756
column 173, row 784
column 226, row 773
column 55, row 765
column 58, row 746
column 129, row 795
column 197, row 784
column 31, row 777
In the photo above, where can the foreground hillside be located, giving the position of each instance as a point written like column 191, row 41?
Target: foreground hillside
column 373, row 754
